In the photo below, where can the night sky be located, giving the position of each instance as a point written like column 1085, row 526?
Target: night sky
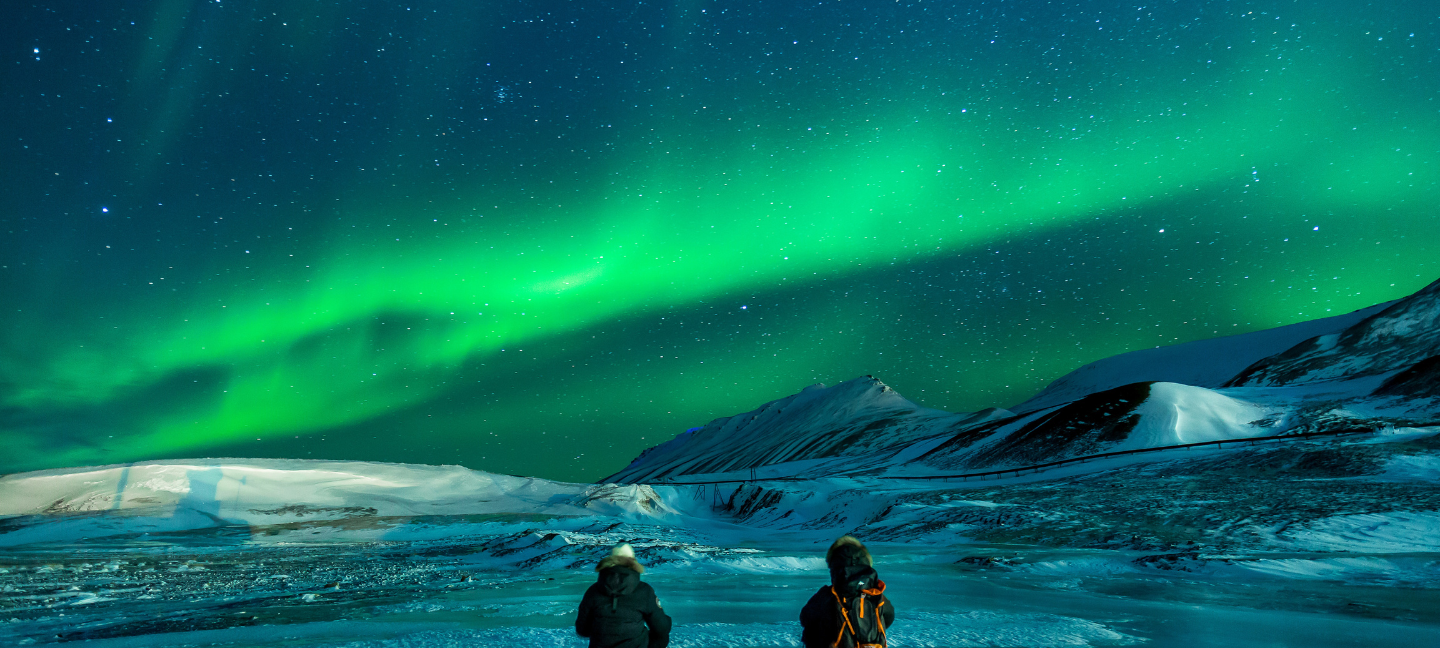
column 538, row 237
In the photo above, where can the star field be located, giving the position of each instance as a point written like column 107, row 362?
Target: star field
column 536, row 238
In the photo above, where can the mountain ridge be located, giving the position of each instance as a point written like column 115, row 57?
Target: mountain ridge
column 1372, row 368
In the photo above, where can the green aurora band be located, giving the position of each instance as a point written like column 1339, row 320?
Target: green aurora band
column 537, row 239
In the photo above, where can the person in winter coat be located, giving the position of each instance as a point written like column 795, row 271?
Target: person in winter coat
column 852, row 611
column 618, row 608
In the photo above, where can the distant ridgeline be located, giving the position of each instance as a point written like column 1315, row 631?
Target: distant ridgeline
column 864, row 456
column 1373, row 368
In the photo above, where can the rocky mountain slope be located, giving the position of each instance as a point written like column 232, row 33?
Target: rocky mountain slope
column 1366, row 370
column 1399, row 337
column 858, row 418
column 1201, row 363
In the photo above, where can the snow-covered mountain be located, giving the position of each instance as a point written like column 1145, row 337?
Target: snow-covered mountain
column 1201, row 363
column 1372, row 368
column 1401, row 336
column 1130, row 417
column 267, row 491
column 858, row 418
column 1421, row 380
column 364, row 499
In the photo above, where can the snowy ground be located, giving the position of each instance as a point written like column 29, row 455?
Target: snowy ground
column 425, row 594
column 1308, row 543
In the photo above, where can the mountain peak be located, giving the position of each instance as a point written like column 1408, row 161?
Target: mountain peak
column 855, row 417
column 1154, row 398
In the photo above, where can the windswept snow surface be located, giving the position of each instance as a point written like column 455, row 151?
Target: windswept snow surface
column 1416, row 573
column 1412, row 468
column 1399, row 532
column 1176, row 414
column 926, row 629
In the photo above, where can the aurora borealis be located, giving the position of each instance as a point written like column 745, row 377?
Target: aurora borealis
column 536, row 238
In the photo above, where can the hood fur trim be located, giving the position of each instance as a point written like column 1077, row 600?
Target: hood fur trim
column 847, row 542
column 627, row 562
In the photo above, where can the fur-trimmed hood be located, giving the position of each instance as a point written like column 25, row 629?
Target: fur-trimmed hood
column 620, row 561
column 621, row 556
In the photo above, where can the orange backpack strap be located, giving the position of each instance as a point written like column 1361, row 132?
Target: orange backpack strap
column 846, row 618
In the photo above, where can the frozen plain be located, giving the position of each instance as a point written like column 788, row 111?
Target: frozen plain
column 296, row 553
column 943, row 606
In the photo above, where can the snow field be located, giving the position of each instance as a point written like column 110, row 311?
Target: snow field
column 1177, row 414
column 921, row 630
column 1398, row 572
column 1401, row 532
column 1412, row 468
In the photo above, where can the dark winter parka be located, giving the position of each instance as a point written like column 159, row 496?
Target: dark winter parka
column 852, row 610
column 618, row 608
